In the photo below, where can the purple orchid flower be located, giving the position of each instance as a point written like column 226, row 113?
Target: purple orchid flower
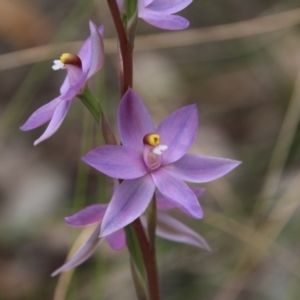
column 159, row 13
column 167, row 228
column 79, row 68
column 152, row 158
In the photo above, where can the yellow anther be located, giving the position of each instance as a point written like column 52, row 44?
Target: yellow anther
column 71, row 59
column 152, row 139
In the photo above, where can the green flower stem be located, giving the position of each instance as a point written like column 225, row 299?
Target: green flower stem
column 93, row 105
column 139, row 282
column 151, row 220
column 134, row 249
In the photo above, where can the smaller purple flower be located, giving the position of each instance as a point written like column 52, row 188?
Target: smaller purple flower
column 152, row 158
column 79, row 68
column 167, row 228
column 159, row 13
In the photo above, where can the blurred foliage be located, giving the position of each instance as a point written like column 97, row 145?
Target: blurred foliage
column 239, row 61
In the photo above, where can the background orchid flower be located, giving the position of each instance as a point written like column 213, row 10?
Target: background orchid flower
column 152, row 158
column 159, row 13
column 79, row 68
column 167, row 228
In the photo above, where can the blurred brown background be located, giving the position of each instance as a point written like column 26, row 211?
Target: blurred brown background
column 239, row 61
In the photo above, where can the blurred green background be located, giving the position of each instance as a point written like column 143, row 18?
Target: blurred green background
column 239, row 61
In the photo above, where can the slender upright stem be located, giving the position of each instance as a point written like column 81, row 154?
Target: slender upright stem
column 149, row 258
column 125, row 47
column 151, row 220
column 126, row 61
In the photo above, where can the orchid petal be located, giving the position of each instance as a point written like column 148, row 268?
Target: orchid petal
column 142, row 4
column 58, row 116
column 164, row 203
column 178, row 131
column 198, row 191
column 85, row 252
column 75, row 73
column 41, row 115
column 92, row 42
column 173, row 230
column 116, row 161
column 164, row 21
column 178, row 192
column 117, row 240
column 199, row 168
column 97, row 51
column 75, row 88
column 134, row 121
column 129, row 201
column 147, row 2
column 168, row 6
column 87, row 216
column 65, row 86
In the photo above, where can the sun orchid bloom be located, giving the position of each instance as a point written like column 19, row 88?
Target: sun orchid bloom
column 79, row 69
column 152, row 158
column 167, row 228
column 159, row 13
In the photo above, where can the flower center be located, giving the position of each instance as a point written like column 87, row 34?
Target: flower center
column 153, row 151
column 66, row 59
column 151, row 139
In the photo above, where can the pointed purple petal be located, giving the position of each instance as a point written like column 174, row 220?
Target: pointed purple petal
column 146, row 2
column 85, row 252
column 173, row 230
column 65, row 86
column 91, row 52
column 164, row 21
column 41, row 115
column 101, row 30
column 134, row 121
column 142, row 4
column 58, row 116
column 168, row 6
column 75, row 88
column 87, row 216
column 178, row 192
column 129, row 201
column 178, row 131
column 75, row 74
column 117, row 240
column 116, row 161
column 198, row 168
column 97, row 51
column 198, row 191
column 164, row 203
